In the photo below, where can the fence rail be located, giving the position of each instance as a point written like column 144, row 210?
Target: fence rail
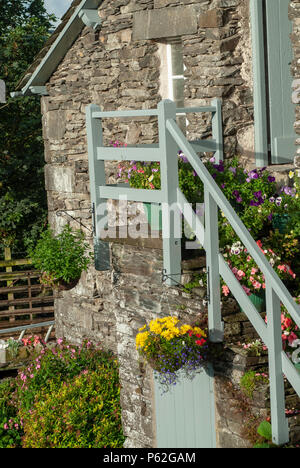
column 170, row 140
column 24, row 302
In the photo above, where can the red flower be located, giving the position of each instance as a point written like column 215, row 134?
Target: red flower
column 200, row 342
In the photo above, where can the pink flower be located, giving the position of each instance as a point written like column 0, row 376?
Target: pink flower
column 59, row 341
column 291, row 338
column 225, row 290
column 247, row 290
column 5, row 426
column 253, row 271
column 241, row 273
column 287, row 322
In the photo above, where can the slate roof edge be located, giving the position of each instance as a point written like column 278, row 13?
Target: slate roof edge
column 48, row 59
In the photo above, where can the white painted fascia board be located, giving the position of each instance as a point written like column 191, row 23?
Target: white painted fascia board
column 59, row 48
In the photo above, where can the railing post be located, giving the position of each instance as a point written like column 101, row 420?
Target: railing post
column 280, row 429
column 97, row 178
column 215, row 324
column 217, row 129
column 169, row 185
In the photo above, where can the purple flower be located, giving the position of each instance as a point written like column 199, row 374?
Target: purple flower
column 219, row 167
column 233, row 170
column 289, row 191
column 270, row 217
column 258, row 194
column 271, row 179
column 238, row 198
column 278, row 201
column 272, row 200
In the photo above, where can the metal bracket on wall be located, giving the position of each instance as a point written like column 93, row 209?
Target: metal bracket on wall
column 165, row 277
column 61, row 213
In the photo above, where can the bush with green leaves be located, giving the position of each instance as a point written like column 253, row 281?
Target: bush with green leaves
column 83, row 413
column 68, row 396
column 61, row 257
column 10, row 428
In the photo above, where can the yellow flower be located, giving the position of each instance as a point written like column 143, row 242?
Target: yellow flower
column 184, row 329
column 141, row 339
column 155, row 327
column 198, row 331
column 143, row 328
column 291, row 174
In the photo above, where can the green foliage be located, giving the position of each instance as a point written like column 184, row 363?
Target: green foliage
column 13, row 347
column 250, row 381
column 24, row 26
column 67, row 397
column 265, row 430
column 146, row 175
column 83, row 413
column 10, row 435
column 62, row 257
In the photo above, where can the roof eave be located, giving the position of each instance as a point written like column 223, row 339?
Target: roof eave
column 58, row 49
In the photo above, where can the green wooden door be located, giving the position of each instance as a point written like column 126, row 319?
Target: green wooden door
column 281, row 109
column 185, row 415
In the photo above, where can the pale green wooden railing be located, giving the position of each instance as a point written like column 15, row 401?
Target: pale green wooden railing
column 170, row 140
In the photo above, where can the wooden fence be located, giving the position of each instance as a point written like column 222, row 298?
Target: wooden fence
column 23, row 300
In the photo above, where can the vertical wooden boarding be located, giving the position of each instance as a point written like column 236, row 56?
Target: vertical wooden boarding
column 215, row 324
column 185, row 416
column 259, row 84
column 280, row 429
column 97, row 179
column 282, row 110
column 171, row 217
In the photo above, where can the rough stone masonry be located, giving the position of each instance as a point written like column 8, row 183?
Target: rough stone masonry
column 120, row 68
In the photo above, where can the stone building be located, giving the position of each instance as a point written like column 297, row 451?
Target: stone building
column 131, row 54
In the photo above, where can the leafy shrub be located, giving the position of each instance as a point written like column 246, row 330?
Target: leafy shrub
column 10, row 435
column 62, row 257
column 75, row 387
column 82, row 413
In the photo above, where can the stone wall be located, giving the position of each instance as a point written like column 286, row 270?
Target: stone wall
column 110, row 311
column 117, row 70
